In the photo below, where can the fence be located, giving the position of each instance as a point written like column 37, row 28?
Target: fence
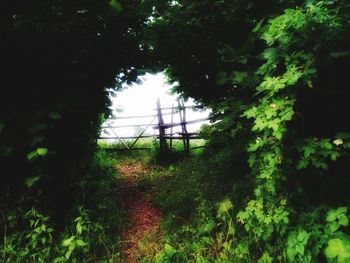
column 157, row 123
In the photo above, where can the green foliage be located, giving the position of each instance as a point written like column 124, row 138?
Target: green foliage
column 116, row 5
column 170, row 255
column 63, row 61
column 35, row 243
column 87, row 235
column 296, row 243
column 338, row 249
column 275, row 93
column 316, row 152
column 315, row 237
column 277, row 96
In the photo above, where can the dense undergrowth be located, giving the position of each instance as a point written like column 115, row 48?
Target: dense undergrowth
column 91, row 231
column 202, row 218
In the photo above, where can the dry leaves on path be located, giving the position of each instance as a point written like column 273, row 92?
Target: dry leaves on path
column 143, row 234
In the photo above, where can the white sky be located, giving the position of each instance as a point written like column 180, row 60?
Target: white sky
column 141, row 99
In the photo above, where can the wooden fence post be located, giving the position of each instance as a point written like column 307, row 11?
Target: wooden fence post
column 172, row 123
column 162, row 140
column 187, row 140
column 182, row 111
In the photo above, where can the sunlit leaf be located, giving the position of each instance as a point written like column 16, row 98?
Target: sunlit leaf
column 42, row 151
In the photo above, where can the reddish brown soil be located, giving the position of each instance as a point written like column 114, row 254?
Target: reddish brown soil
column 143, row 217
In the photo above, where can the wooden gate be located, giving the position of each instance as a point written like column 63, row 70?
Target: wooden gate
column 165, row 130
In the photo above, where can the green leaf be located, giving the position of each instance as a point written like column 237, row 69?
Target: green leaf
column 328, row 145
column 69, row 253
column 334, row 156
column 250, row 113
column 79, row 228
column 288, row 115
column 29, row 182
column 208, row 227
column 42, row 151
column 343, row 220
column 258, row 26
column 225, row 206
column 116, row 5
column 32, row 155
column 68, row 242
column 337, row 249
column 55, row 115
column 303, row 236
column 80, row 243
column 59, row 259
column 331, row 215
column 270, row 53
column 300, row 248
column 265, row 258
column 308, row 151
column 239, row 76
column 169, row 250
column 334, row 226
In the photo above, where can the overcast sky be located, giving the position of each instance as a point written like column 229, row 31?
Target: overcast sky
column 141, row 99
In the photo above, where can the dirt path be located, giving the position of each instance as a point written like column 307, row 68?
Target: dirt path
column 143, row 217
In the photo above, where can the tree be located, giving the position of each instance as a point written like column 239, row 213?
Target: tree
column 268, row 69
column 58, row 59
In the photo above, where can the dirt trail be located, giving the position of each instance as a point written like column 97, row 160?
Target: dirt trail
column 144, row 218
